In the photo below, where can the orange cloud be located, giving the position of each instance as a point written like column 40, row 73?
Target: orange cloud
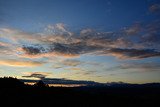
column 3, row 44
column 71, row 62
column 52, row 54
column 17, row 63
column 75, row 69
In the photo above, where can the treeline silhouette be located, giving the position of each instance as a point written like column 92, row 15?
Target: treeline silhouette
column 10, row 82
column 13, row 92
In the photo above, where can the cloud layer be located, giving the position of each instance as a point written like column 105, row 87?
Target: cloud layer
column 40, row 75
column 138, row 67
column 132, row 53
column 20, row 63
column 138, row 41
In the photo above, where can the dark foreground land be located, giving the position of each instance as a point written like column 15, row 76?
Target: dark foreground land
column 15, row 93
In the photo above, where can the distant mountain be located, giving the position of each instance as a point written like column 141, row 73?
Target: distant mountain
column 93, row 94
column 91, row 83
column 62, row 81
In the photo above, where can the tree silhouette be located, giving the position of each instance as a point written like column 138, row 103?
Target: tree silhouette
column 10, row 82
column 41, row 84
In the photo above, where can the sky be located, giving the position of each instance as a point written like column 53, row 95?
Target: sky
column 93, row 40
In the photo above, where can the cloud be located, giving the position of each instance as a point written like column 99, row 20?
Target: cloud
column 18, row 37
column 33, row 50
column 133, row 30
column 89, row 72
column 82, row 72
column 40, row 75
column 20, row 63
column 59, row 28
column 59, row 43
column 140, row 67
column 75, row 69
column 70, row 62
column 152, row 38
column 59, row 49
column 154, row 8
column 3, row 44
column 57, row 66
column 132, row 53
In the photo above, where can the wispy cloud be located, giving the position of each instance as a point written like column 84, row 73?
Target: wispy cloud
column 138, row 67
column 81, row 72
column 133, row 30
column 20, row 63
column 70, row 62
column 57, row 66
column 132, row 53
column 59, row 28
column 40, row 75
column 67, row 63
column 3, row 44
column 75, row 69
column 154, row 8
column 62, row 42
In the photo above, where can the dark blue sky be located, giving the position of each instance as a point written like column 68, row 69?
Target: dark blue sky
column 102, row 14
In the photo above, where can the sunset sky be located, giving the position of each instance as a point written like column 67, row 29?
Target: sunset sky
column 97, row 40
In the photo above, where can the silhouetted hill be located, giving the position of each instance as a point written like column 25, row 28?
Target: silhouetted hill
column 92, row 83
column 106, row 95
column 10, row 82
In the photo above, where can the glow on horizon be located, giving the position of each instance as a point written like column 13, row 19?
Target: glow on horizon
column 58, row 85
